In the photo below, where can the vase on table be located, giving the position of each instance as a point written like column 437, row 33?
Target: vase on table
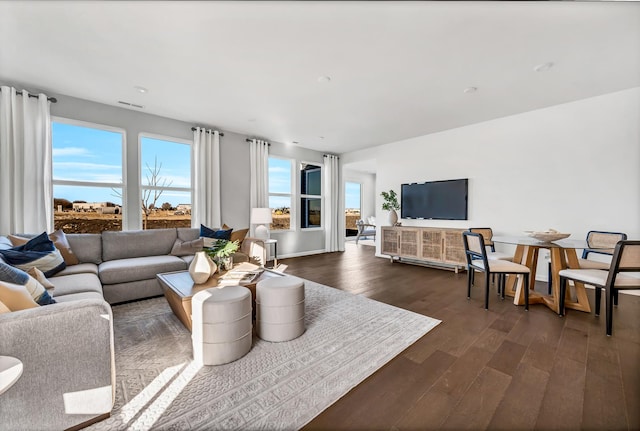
column 202, row 267
column 393, row 217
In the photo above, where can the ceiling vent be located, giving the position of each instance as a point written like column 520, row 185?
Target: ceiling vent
column 130, row 104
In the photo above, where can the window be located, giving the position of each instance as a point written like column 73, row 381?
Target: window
column 280, row 191
column 88, row 172
column 165, row 184
column 310, row 195
column 352, row 210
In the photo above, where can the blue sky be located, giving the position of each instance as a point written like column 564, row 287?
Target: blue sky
column 94, row 155
column 351, row 195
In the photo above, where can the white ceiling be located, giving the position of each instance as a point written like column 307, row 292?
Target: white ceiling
column 398, row 69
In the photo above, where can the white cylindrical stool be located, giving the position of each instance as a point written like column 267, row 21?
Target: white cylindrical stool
column 221, row 324
column 280, row 308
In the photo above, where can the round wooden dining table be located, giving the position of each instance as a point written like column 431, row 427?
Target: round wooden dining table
column 563, row 255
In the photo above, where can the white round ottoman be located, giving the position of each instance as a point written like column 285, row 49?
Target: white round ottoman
column 280, row 308
column 221, row 324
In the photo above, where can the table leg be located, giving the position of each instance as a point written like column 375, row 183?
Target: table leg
column 562, row 259
column 527, row 256
column 582, row 301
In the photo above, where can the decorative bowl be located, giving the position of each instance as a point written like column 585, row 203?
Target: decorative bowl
column 548, row 236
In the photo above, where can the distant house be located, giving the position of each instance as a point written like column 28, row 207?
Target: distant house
column 183, row 208
column 97, row 207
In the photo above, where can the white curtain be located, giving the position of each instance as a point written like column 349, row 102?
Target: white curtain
column 206, row 179
column 332, row 208
column 25, row 163
column 259, row 159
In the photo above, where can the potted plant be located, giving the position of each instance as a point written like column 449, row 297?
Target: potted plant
column 391, row 204
column 221, row 252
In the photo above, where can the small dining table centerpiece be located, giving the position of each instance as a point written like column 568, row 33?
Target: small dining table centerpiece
column 547, row 235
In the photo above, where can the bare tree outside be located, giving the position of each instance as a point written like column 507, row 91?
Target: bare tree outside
column 151, row 191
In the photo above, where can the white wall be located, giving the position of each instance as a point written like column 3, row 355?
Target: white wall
column 573, row 167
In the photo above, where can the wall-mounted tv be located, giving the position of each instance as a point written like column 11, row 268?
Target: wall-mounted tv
column 440, row 200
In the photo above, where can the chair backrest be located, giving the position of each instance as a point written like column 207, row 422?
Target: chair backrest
column 602, row 242
column 474, row 248
column 487, row 235
column 626, row 257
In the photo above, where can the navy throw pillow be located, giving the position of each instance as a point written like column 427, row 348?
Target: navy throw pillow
column 215, row 233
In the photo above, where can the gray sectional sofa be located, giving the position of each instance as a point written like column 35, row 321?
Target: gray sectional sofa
column 67, row 348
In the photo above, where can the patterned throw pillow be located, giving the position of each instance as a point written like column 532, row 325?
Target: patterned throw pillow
column 4, row 308
column 59, row 240
column 38, row 252
column 15, row 282
column 215, row 233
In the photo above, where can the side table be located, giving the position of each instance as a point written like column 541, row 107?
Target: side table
column 268, row 242
column 10, row 372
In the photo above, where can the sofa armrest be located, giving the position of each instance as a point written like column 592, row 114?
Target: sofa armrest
column 256, row 249
column 68, row 358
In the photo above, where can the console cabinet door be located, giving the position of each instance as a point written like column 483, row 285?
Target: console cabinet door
column 409, row 242
column 454, row 247
column 431, row 245
column 390, row 241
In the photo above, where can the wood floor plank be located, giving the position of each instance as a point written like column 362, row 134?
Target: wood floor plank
column 604, row 399
column 507, row 357
column 478, row 405
column 520, row 406
column 562, row 405
column 435, row 382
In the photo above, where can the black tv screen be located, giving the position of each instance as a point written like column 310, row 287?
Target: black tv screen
column 441, row 200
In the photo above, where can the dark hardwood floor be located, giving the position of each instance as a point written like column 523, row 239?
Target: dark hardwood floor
column 499, row 369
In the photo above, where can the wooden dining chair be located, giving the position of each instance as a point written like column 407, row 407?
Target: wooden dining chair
column 477, row 260
column 626, row 259
column 487, row 235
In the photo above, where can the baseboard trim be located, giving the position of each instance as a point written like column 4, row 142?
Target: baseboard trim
column 300, row 254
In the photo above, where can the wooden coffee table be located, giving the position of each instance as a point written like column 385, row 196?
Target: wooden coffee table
column 179, row 288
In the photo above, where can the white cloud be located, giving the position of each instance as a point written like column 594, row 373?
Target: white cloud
column 85, row 166
column 71, row 151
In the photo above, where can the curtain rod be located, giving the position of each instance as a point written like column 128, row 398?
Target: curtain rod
column 50, row 99
column 193, row 129
column 251, row 140
column 328, row 155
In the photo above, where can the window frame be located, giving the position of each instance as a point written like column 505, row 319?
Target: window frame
column 141, row 168
column 293, row 206
column 300, row 195
column 123, row 149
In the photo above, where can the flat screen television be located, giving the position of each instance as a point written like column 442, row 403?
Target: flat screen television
column 439, row 200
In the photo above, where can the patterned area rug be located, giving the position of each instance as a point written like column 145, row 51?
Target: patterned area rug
column 275, row 386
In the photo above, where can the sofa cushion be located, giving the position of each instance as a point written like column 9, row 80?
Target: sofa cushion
column 4, row 308
column 59, row 240
column 76, row 283
column 139, row 268
column 38, row 252
column 5, row 243
column 188, row 233
column 79, row 296
column 86, row 246
column 138, row 243
column 81, row 268
column 237, row 235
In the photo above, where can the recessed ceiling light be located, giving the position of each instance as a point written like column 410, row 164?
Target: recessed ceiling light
column 321, row 137
column 543, row 67
column 469, row 90
column 251, row 120
column 141, row 89
column 324, row 79
column 295, row 142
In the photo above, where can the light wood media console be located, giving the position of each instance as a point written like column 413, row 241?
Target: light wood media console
column 439, row 246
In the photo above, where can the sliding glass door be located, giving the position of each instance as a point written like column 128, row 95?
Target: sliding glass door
column 352, row 207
